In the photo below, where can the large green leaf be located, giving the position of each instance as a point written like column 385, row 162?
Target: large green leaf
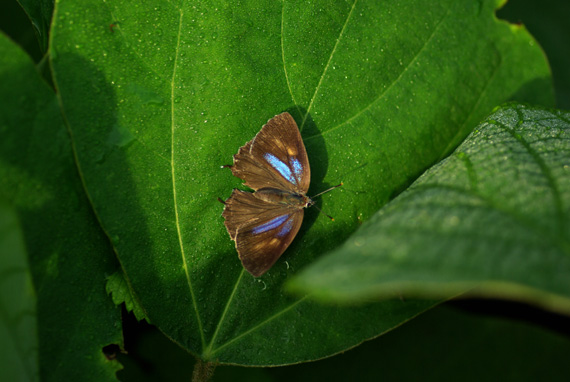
column 496, row 212
column 69, row 255
column 380, row 90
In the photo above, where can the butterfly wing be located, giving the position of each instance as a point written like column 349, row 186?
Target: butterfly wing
column 243, row 207
column 262, row 231
column 275, row 158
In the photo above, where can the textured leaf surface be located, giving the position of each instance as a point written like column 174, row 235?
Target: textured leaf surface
column 69, row 255
column 496, row 212
column 157, row 103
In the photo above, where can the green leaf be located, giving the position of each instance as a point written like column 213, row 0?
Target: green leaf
column 18, row 324
column 120, row 291
column 495, row 213
column 379, row 90
column 40, row 14
column 69, row 255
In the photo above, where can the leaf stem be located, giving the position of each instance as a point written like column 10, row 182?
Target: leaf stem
column 203, row 371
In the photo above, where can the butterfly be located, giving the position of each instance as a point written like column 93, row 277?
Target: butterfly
column 275, row 165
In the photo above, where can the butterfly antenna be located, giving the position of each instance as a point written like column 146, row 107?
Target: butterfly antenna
column 325, row 191
column 221, row 201
column 321, row 211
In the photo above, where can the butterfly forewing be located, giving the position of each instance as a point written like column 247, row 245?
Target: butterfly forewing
column 275, row 158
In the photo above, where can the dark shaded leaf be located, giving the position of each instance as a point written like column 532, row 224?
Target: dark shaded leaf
column 18, row 323
column 69, row 255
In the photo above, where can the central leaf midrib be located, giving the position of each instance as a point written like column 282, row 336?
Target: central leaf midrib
column 172, row 166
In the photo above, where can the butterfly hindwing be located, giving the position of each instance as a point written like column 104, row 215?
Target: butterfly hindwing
column 275, row 158
column 260, row 244
column 244, row 208
column 261, row 230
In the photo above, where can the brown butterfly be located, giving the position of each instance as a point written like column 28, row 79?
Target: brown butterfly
column 275, row 165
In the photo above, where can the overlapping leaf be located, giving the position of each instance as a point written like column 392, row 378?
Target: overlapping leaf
column 496, row 214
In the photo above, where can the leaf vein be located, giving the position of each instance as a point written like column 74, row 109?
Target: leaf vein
column 546, row 172
column 264, row 322
column 172, row 166
column 522, row 220
column 223, row 316
column 283, row 58
column 328, row 64
column 381, row 95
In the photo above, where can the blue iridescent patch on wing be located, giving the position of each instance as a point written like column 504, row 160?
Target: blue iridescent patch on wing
column 297, row 169
column 272, row 224
column 286, row 228
column 283, row 169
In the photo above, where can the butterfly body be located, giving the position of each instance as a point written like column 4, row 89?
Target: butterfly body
column 291, row 199
column 275, row 165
